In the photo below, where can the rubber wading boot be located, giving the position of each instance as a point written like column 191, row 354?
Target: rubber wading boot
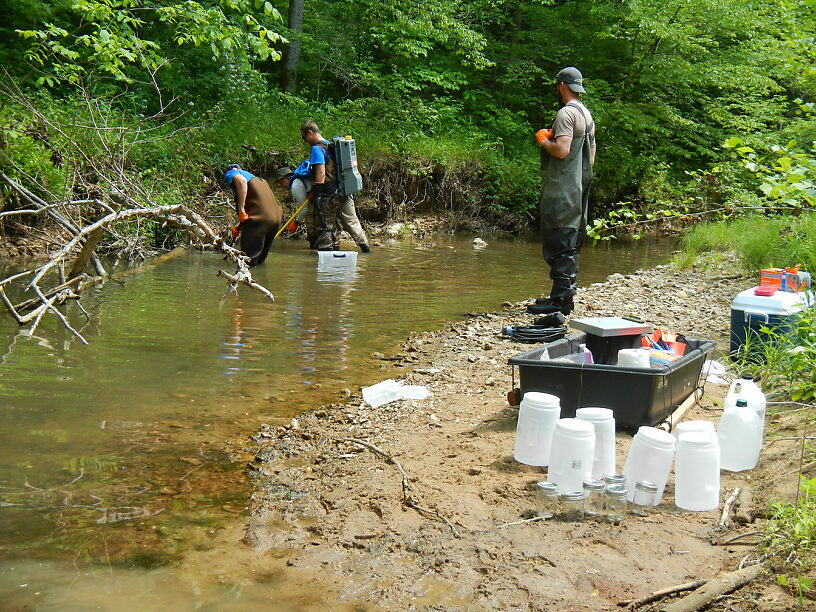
column 548, row 305
column 365, row 248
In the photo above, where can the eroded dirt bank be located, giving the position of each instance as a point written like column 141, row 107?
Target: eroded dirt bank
column 335, row 509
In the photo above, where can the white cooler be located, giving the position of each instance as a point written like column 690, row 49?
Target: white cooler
column 750, row 313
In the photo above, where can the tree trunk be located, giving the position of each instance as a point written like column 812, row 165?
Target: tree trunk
column 291, row 62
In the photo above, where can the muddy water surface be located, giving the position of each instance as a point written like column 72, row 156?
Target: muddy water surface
column 121, row 465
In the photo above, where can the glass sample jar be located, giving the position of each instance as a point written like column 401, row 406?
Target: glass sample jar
column 614, row 479
column 615, row 499
column 572, row 506
column 644, row 498
column 594, row 498
column 546, row 499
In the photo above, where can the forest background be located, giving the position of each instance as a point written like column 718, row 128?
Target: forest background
column 703, row 108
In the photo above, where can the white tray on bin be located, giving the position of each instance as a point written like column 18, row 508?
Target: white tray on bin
column 332, row 260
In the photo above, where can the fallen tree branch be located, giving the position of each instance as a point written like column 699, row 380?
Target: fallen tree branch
column 176, row 214
column 735, row 538
column 407, row 497
column 724, row 517
column 725, row 583
column 632, row 604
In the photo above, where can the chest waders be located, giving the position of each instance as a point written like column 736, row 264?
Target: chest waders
column 326, row 232
column 564, row 208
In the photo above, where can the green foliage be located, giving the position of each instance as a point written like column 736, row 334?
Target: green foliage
column 785, row 175
column 116, row 36
column 438, row 80
column 790, row 539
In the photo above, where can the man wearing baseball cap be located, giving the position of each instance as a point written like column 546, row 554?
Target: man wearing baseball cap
column 567, row 156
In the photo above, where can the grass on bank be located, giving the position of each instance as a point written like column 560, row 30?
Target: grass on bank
column 759, row 241
column 785, row 361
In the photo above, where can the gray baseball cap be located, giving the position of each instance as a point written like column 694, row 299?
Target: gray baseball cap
column 572, row 78
column 282, row 172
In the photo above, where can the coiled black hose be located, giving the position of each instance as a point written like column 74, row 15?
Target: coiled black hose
column 537, row 334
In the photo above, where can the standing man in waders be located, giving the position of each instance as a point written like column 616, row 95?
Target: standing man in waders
column 323, row 186
column 567, row 157
column 259, row 214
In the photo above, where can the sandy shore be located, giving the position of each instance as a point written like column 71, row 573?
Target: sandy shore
column 428, row 513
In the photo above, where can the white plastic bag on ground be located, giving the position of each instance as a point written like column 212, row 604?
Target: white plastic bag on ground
column 390, row 390
column 714, row 372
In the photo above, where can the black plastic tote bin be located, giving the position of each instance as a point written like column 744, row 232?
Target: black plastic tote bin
column 637, row 396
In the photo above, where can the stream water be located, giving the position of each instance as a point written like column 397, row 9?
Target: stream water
column 120, row 459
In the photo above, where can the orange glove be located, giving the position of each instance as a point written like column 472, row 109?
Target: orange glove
column 242, row 216
column 292, row 227
column 542, row 135
column 235, row 231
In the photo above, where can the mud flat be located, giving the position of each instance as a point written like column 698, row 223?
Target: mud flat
column 420, row 504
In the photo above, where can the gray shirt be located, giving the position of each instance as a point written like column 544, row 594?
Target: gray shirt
column 571, row 121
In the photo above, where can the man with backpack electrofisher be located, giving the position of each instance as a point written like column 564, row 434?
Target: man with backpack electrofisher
column 567, row 156
column 259, row 214
column 331, row 202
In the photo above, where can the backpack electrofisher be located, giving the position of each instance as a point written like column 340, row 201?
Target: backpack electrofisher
column 349, row 180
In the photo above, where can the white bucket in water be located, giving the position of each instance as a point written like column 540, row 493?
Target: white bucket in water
column 650, row 458
column 538, row 413
column 572, row 454
column 332, row 260
column 697, row 472
column 604, row 421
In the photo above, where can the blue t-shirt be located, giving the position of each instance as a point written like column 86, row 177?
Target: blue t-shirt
column 230, row 174
column 319, row 155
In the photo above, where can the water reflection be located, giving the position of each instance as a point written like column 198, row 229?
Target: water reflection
column 115, row 451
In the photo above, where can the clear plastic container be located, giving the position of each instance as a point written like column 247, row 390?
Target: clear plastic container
column 572, row 506
column 594, row 498
column 603, row 419
column 697, row 471
column 572, row 454
column 644, row 499
column 538, row 413
column 615, row 503
column 745, row 388
column 685, row 427
column 546, row 499
column 740, row 438
column 650, row 458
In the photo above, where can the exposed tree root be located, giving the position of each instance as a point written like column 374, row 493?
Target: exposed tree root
column 407, row 497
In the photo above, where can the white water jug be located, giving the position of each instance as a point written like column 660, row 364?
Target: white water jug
column 649, row 458
column 740, row 434
column 745, row 388
column 538, row 413
column 697, row 472
column 572, row 454
column 603, row 419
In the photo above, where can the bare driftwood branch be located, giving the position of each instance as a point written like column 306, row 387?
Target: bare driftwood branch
column 725, row 519
column 725, row 583
column 407, row 498
column 177, row 215
column 633, row 604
